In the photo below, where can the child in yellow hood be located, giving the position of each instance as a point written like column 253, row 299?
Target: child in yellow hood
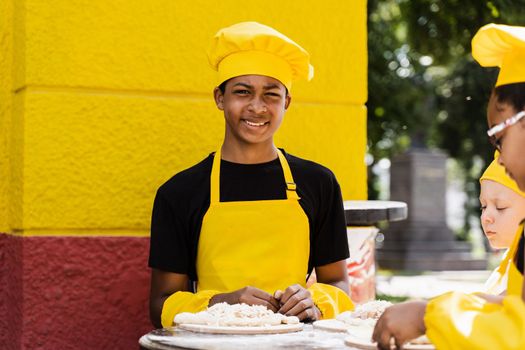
column 473, row 321
column 502, row 210
column 250, row 222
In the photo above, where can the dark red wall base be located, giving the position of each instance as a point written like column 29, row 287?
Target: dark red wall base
column 10, row 291
column 73, row 293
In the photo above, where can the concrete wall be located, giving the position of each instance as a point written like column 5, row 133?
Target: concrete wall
column 103, row 101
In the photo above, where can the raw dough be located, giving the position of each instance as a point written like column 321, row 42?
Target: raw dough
column 367, row 311
column 362, row 320
column 236, row 315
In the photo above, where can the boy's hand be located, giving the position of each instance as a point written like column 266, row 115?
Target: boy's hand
column 247, row 295
column 297, row 301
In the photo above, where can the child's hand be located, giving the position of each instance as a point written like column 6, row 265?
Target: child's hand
column 297, row 301
column 400, row 323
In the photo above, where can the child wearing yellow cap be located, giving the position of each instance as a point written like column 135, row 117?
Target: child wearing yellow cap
column 474, row 321
column 250, row 222
column 502, row 210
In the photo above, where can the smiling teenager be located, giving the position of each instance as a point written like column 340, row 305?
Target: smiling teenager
column 477, row 321
column 250, row 222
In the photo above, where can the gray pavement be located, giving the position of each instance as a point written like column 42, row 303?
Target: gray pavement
column 431, row 284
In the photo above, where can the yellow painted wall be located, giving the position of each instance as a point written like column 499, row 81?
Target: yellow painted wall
column 6, row 58
column 114, row 97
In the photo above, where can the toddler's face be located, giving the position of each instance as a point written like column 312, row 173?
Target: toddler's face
column 502, row 210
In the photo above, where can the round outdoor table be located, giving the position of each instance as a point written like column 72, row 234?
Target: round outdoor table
column 361, row 218
column 365, row 213
column 309, row 338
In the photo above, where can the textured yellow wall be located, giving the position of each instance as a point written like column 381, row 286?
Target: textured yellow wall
column 114, row 97
column 6, row 59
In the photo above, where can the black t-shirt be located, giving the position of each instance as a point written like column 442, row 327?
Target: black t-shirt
column 181, row 202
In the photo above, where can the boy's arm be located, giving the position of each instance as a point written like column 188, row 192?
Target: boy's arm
column 335, row 274
column 164, row 284
column 330, row 294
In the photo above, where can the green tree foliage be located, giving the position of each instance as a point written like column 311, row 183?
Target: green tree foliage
column 424, row 87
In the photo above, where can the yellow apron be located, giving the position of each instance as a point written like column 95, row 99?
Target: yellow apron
column 263, row 243
column 506, row 268
column 515, row 283
column 467, row 321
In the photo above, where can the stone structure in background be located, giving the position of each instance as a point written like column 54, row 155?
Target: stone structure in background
column 423, row 241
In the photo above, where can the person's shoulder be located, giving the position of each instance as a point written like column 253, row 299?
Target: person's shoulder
column 186, row 181
column 309, row 168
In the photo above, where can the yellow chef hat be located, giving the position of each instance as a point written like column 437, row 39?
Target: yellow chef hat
column 496, row 45
column 252, row 48
column 496, row 172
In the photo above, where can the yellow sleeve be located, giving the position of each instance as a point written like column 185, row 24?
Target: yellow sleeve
column 465, row 321
column 184, row 302
column 330, row 300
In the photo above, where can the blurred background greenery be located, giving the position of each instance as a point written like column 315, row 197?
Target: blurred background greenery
column 425, row 90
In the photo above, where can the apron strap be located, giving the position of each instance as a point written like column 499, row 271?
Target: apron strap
column 291, row 187
column 511, row 252
column 215, row 178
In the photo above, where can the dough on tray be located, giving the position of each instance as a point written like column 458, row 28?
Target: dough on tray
column 369, row 312
column 236, row 315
